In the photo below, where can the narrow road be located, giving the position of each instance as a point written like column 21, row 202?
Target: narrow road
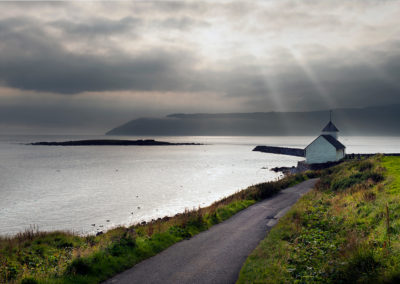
column 216, row 255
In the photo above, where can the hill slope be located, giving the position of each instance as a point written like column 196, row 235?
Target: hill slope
column 381, row 120
column 344, row 231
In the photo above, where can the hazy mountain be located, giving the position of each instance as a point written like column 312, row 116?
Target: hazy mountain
column 379, row 120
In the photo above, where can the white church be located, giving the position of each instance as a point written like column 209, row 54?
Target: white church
column 326, row 147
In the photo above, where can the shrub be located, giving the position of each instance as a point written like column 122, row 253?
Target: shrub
column 313, row 174
column 376, row 177
column 345, row 183
column 120, row 247
column 365, row 165
column 10, row 272
column 29, row 280
column 362, row 267
column 79, row 266
column 357, row 178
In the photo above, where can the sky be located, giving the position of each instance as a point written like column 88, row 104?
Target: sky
column 88, row 66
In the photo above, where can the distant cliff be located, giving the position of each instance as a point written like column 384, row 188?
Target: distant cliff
column 381, row 120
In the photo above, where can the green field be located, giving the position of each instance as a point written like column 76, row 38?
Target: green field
column 344, row 231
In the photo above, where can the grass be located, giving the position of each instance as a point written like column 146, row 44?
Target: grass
column 62, row 257
column 344, row 231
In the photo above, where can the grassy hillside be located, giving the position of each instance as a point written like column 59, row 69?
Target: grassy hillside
column 344, row 231
column 61, row 257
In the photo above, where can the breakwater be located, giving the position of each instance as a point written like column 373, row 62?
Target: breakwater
column 281, row 150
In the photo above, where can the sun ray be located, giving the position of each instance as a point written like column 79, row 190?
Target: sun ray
column 303, row 64
column 272, row 88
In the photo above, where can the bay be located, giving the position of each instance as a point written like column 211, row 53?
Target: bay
column 87, row 189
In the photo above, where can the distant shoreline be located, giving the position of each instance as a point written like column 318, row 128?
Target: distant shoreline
column 112, row 142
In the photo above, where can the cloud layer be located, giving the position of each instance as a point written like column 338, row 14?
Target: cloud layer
column 122, row 60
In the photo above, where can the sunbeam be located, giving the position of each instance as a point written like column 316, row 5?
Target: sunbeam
column 273, row 91
column 303, row 64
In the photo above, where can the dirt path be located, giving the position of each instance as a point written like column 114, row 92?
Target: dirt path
column 216, row 255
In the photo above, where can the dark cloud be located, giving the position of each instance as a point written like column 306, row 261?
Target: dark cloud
column 183, row 47
column 30, row 60
column 98, row 27
column 66, row 73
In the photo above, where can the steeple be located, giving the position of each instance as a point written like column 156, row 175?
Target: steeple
column 330, row 128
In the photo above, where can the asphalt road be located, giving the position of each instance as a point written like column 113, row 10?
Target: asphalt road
column 216, row 255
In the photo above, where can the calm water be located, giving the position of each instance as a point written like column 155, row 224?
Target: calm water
column 72, row 188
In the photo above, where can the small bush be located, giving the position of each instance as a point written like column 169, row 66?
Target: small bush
column 369, row 196
column 64, row 244
column 362, row 267
column 312, row 174
column 80, row 266
column 324, row 183
column 10, row 273
column 179, row 232
column 357, row 178
column 120, row 247
column 29, row 280
column 345, row 183
column 365, row 166
column 376, row 177
column 90, row 240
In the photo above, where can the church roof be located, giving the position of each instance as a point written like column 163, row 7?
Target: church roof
column 330, row 127
column 331, row 140
column 335, row 143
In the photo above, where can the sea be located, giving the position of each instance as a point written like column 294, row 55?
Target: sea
column 88, row 189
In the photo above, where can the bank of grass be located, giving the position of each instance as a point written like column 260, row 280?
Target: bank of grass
column 62, row 257
column 344, row 231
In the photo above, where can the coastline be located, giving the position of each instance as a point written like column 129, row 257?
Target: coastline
column 78, row 257
column 86, row 177
column 92, row 259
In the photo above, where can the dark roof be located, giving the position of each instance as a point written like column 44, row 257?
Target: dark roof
column 335, row 143
column 330, row 127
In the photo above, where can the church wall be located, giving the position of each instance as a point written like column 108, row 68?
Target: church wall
column 320, row 151
column 340, row 154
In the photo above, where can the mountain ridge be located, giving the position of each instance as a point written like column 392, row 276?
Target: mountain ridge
column 374, row 120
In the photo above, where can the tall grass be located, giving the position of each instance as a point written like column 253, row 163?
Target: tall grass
column 345, row 231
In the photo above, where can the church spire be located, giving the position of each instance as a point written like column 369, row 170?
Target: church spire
column 330, row 128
